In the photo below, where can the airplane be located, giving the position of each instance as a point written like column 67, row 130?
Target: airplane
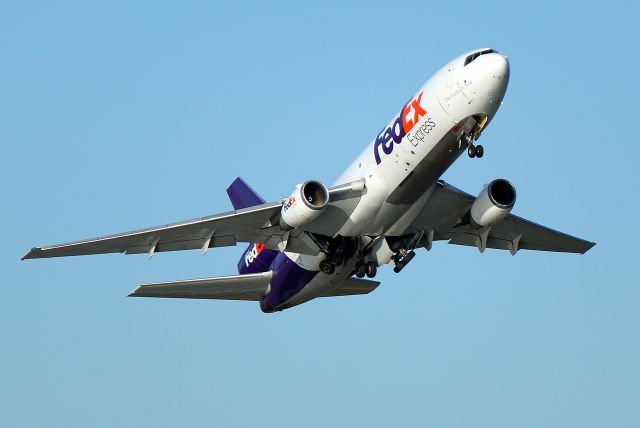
column 322, row 242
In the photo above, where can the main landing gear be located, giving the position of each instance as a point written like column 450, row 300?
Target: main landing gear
column 370, row 269
column 337, row 251
column 327, row 267
column 333, row 259
column 402, row 258
column 474, row 151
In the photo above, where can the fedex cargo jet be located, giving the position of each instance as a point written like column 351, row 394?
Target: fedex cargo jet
column 322, row 241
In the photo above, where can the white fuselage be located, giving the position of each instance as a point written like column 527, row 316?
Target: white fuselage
column 400, row 167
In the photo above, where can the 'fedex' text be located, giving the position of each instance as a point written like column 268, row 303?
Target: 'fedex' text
column 408, row 118
column 253, row 253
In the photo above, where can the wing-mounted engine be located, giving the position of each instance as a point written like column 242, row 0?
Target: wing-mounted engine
column 304, row 205
column 493, row 204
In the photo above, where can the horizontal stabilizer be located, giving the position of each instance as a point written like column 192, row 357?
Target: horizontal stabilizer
column 353, row 286
column 235, row 287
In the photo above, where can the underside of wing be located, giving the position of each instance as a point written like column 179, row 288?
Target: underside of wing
column 343, row 200
column 257, row 224
column 236, row 287
column 247, row 225
column 443, row 219
column 515, row 233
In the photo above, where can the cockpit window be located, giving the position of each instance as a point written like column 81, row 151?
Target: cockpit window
column 472, row 57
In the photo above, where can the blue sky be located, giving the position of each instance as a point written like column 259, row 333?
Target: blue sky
column 120, row 115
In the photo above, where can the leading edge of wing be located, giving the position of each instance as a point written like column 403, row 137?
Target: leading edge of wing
column 47, row 251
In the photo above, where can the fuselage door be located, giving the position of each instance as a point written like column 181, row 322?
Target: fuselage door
column 450, row 77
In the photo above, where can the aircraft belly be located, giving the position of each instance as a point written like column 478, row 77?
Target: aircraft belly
column 376, row 190
column 427, row 171
column 395, row 219
column 415, row 186
column 296, row 279
column 321, row 284
column 289, row 276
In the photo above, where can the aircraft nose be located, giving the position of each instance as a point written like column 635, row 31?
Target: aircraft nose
column 497, row 65
column 496, row 72
column 490, row 69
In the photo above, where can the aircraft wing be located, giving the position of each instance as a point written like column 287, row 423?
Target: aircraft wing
column 252, row 224
column 255, row 224
column 442, row 219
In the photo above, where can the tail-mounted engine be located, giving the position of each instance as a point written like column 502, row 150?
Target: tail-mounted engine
column 493, row 204
column 304, row 205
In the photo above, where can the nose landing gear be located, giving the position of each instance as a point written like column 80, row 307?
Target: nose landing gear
column 474, row 151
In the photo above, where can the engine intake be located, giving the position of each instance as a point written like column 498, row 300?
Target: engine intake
column 304, row 205
column 493, row 204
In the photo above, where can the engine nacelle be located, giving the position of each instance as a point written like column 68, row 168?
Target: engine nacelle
column 304, row 205
column 493, row 204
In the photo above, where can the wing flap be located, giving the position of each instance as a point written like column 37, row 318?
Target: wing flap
column 236, row 287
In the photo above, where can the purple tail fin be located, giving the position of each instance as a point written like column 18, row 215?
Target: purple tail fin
column 255, row 258
column 242, row 195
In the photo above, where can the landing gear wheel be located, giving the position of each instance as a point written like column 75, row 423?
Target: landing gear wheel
column 361, row 269
column 479, row 151
column 472, row 151
column 327, row 267
column 372, row 269
column 398, row 267
column 335, row 259
column 409, row 257
column 402, row 261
